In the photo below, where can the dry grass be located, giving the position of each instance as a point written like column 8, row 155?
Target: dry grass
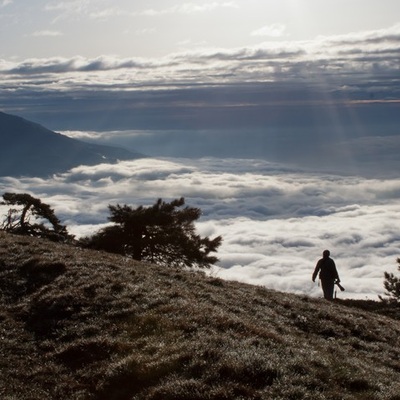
column 79, row 324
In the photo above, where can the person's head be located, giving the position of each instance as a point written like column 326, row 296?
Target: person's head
column 326, row 253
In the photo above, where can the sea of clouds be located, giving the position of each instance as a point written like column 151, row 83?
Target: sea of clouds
column 275, row 221
column 331, row 104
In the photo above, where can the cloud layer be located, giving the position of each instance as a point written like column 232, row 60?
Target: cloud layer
column 275, row 221
column 338, row 148
column 337, row 81
column 366, row 54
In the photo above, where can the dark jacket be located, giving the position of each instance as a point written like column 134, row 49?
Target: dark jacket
column 327, row 270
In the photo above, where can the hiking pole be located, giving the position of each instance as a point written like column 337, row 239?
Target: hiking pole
column 342, row 289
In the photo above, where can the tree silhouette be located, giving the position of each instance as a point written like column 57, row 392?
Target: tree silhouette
column 392, row 285
column 23, row 209
column 162, row 234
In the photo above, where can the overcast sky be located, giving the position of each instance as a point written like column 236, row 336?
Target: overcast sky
column 103, row 65
column 157, row 28
column 312, row 85
column 153, row 29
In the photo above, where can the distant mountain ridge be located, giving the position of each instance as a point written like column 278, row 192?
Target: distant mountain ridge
column 29, row 149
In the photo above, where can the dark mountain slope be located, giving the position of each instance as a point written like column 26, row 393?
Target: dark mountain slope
column 30, row 149
column 79, row 324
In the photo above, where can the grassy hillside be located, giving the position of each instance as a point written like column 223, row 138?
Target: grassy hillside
column 79, row 324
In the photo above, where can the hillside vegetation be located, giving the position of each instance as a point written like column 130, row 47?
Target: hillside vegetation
column 82, row 324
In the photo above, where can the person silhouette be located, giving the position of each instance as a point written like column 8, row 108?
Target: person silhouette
column 327, row 273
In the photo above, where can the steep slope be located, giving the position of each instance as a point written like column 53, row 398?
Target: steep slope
column 79, row 324
column 30, row 149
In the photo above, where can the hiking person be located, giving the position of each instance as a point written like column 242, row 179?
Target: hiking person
column 327, row 273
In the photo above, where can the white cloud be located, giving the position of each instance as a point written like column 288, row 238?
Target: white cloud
column 344, row 64
column 145, row 31
column 5, row 3
column 275, row 222
column 68, row 9
column 389, row 34
column 81, row 135
column 188, row 8
column 75, row 6
column 88, row 8
column 107, row 13
column 274, row 30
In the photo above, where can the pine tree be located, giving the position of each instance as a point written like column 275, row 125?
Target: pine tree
column 29, row 216
column 392, row 285
column 163, row 234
